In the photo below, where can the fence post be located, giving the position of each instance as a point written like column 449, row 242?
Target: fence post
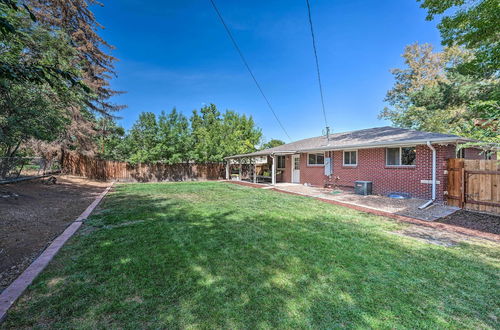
column 462, row 186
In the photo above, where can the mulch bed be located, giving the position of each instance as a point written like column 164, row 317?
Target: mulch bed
column 32, row 214
column 473, row 220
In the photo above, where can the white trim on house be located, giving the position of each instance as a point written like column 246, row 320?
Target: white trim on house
column 382, row 145
column 429, row 181
column 316, row 153
column 278, row 163
column 292, row 168
column 343, row 158
column 400, row 156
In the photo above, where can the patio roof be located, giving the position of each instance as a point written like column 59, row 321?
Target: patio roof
column 365, row 138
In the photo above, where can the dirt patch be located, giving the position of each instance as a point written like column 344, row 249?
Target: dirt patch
column 432, row 236
column 190, row 197
column 33, row 213
column 473, row 220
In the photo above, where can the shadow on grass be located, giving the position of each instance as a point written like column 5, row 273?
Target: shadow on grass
column 191, row 255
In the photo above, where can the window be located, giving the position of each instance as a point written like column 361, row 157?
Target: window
column 461, row 153
column 350, row 158
column 316, row 159
column 281, row 162
column 296, row 163
column 401, row 156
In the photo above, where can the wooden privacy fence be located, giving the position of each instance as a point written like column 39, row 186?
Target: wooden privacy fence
column 97, row 169
column 474, row 184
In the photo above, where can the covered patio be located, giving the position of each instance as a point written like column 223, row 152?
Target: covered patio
column 263, row 167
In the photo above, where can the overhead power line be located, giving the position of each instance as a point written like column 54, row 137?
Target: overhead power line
column 248, row 67
column 317, row 63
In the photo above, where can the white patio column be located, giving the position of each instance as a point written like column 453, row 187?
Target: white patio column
column 227, row 168
column 254, row 171
column 273, row 175
column 239, row 171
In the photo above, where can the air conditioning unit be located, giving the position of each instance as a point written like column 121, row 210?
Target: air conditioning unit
column 363, row 187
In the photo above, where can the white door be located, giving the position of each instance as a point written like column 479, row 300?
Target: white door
column 296, row 168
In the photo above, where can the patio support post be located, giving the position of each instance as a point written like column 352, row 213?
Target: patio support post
column 227, row 169
column 239, row 171
column 273, row 175
column 254, row 171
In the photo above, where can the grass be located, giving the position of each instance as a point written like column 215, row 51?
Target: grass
column 216, row 255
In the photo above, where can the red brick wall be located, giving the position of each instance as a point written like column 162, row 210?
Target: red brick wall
column 371, row 167
column 473, row 153
column 314, row 175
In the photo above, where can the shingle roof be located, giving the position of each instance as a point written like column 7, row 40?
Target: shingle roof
column 360, row 138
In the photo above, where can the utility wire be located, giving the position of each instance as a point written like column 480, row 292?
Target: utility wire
column 317, row 62
column 248, row 67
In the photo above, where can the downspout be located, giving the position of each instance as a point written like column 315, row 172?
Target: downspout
column 429, row 202
column 273, row 170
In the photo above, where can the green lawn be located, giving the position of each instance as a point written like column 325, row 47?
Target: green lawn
column 211, row 255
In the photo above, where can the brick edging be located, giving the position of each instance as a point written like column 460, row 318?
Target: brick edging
column 16, row 288
column 435, row 225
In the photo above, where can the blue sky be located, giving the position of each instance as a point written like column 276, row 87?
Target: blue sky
column 177, row 54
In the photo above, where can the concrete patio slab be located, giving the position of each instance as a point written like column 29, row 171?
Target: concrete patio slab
column 404, row 207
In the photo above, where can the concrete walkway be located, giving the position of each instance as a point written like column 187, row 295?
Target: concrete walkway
column 404, row 207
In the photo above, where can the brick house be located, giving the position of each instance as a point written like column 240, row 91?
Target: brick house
column 394, row 159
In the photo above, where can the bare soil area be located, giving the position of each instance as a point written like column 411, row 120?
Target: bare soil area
column 33, row 213
column 473, row 220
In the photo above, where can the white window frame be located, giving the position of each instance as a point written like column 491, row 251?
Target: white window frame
column 400, row 156
column 343, row 157
column 278, row 163
column 316, row 153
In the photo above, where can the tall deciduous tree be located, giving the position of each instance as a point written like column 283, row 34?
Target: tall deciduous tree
column 208, row 136
column 216, row 136
column 474, row 24
column 431, row 94
column 144, row 139
column 240, row 135
column 111, row 140
column 273, row 143
column 175, row 142
column 207, row 132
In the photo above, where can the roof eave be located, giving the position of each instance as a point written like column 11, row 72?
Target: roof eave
column 388, row 144
column 264, row 153
column 356, row 146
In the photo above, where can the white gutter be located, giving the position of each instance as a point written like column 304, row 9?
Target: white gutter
column 429, row 202
column 258, row 154
column 382, row 144
column 355, row 146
